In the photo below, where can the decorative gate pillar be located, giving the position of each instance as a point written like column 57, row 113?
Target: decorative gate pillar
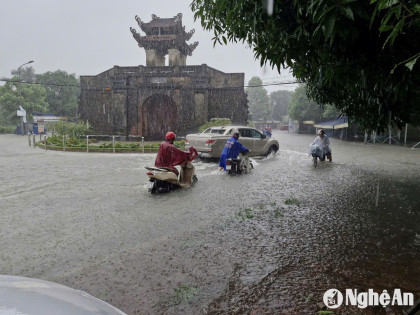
column 153, row 59
column 174, row 57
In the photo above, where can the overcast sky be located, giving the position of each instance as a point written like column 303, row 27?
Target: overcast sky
column 87, row 37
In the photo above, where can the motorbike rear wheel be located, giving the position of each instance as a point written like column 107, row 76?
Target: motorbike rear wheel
column 152, row 187
column 315, row 160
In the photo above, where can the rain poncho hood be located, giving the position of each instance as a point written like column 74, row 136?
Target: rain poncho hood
column 169, row 156
column 231, row 151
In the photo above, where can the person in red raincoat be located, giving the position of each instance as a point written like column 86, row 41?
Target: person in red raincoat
column 169, row 156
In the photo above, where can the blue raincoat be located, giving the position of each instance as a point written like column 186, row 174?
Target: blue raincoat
column 231, row 151
column 267, row 133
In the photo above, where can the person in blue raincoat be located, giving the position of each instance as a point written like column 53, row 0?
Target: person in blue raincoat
column 231, row 150
column 267, row 131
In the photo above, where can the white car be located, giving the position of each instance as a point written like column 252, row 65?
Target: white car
column 21, row 295
column 210, row 143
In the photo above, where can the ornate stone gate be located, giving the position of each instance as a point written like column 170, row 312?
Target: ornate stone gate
column 147, row 101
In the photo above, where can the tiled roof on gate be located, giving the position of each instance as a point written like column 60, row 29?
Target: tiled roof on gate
column 167, row 22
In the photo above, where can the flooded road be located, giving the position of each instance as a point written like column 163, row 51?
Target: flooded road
column 269, row 242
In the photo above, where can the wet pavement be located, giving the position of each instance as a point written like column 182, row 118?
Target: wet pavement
column 269, row 242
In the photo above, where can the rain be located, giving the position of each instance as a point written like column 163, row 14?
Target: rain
column 271, row 241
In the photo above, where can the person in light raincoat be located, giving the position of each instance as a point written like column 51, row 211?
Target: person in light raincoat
column 231, row 150
column 169, row 156
column 323, row 142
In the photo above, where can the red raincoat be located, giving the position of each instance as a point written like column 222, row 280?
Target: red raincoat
column 169, row 156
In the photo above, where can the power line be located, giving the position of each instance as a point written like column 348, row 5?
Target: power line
column 78, row 85
column 40, row 83
column 271, row 84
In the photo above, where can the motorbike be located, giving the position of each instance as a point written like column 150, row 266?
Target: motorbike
column 162, row 180
column 241, row 165
column 316, row 152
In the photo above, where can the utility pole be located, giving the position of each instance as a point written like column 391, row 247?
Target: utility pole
column 20, row 92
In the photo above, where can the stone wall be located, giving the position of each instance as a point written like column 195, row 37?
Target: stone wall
column 138, row 101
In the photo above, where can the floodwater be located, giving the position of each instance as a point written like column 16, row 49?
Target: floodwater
column 269, row 242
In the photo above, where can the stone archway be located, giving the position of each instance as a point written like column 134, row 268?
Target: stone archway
column 159, row 116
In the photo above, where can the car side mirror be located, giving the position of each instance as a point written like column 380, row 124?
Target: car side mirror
column 264, row 136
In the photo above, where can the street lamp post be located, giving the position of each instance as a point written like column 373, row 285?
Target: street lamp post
column 20, row 92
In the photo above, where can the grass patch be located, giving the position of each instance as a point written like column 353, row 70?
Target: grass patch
column 190, row 244
column 292, row 201
column 278, row 214
column 182, row 294
column 244, row 214
column 261, row 206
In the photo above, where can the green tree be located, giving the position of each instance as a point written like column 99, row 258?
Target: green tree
column 27, row 74
column 63, row 90
column 395, row 17
column 330, row 112
column 258, row 100
column 33, row 101
column 349, row 53
column 301, row 108
column 279, row 101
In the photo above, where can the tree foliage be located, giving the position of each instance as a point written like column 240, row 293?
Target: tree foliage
column 350, row 53
column 258, row 100
column 32, row 100
column 301, row 108
column 395, row 17
column 62, row 92
column 27, row 74
column 330, row 112
column 54, row 92
column 279, row 101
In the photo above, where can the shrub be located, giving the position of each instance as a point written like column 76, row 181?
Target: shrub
column 70, row 142
column 7, row 129
column 71, row 129
column 215, row 123
column 179, row 144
